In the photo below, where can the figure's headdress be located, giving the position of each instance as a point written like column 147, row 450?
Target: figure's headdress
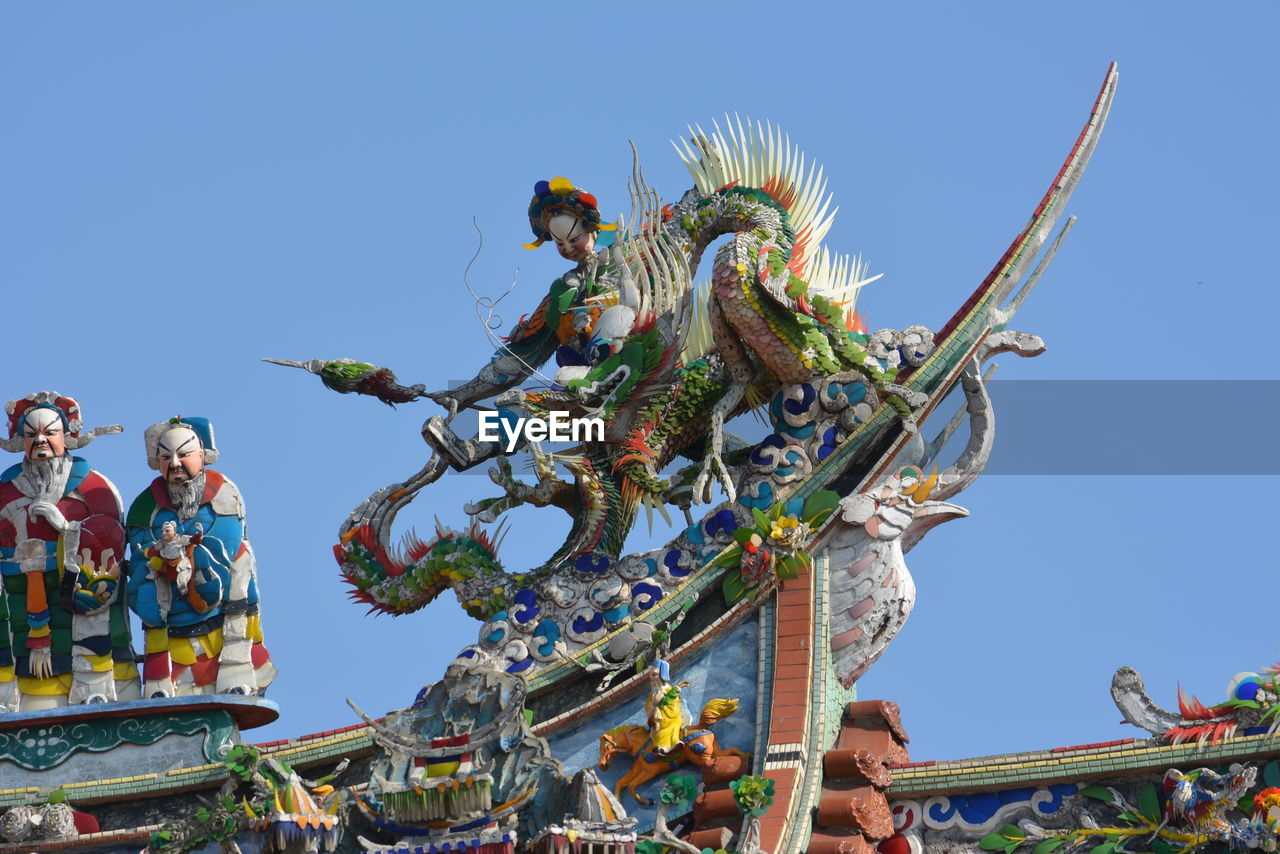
column 560, row 196
column 68, row 412
column 200, row 426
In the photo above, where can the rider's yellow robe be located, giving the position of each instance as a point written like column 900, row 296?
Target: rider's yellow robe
column 666, row 717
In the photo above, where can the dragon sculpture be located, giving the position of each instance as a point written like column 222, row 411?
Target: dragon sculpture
column 1252, row 707
column 1204, row 798
column 842, row 470
column 1200, row 810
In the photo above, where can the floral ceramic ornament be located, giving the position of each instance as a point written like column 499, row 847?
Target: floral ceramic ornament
column 775, row 544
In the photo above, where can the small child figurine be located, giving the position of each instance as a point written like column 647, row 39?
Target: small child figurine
column 170, row 557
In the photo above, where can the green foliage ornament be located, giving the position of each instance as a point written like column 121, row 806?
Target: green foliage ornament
column 1005, row 839
column 754, row 795
column 679, row 792
column 241, row 760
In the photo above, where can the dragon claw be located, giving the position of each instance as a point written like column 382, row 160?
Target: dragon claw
column 484, row 510
column 713, row 470
column 500, row 472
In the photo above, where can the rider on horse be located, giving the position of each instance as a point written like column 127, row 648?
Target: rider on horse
column 665, row 710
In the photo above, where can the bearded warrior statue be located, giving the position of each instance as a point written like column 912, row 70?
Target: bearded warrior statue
column 64, row 633
column 192, row 577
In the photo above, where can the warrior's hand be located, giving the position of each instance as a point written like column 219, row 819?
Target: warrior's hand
column 49, row 511
column 446, row 399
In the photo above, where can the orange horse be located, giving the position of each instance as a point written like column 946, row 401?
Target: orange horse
column 698, row 746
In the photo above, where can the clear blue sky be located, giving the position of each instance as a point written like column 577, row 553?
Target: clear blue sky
column 188, row 187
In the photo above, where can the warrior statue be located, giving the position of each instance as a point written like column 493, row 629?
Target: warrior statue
column 582, row 321
column 192, row 578
column 64, row 633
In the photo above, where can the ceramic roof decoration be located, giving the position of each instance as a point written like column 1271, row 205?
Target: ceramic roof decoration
column 73, row 699
column 64, row 635
column 696, row 696
column 193, row 577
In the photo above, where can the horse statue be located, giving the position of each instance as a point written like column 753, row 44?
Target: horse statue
column 698, row 746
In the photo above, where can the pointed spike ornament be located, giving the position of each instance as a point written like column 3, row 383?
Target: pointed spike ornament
column 347, row 375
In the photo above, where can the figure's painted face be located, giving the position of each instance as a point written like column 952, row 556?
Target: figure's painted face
column 180, row 455
column 168, row 531
column 42, row 435
column 573, row 240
